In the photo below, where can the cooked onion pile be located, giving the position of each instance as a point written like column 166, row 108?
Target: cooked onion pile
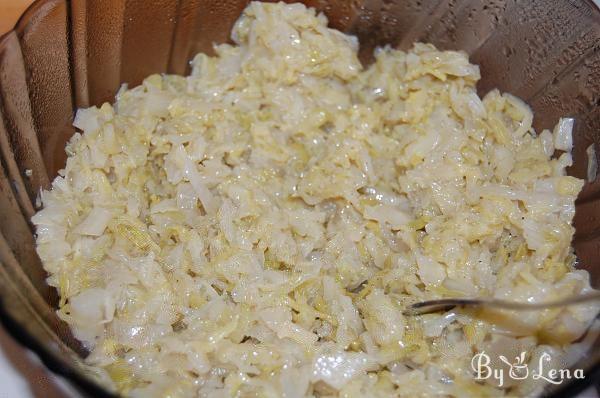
column 257, row 227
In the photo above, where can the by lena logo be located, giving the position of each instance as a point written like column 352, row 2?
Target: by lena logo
column 519, row 369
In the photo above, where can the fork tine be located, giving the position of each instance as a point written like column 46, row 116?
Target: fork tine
column 430, row 306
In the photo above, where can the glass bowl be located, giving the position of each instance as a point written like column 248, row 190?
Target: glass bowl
column 63, row 55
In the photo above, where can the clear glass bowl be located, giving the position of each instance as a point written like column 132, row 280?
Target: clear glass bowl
column 63, row 55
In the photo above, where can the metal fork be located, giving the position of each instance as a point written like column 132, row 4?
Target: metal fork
column 429, row 306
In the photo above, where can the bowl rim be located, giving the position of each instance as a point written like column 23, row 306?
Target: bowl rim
column 89, row 387
column 27, row 13
column 83, row 384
